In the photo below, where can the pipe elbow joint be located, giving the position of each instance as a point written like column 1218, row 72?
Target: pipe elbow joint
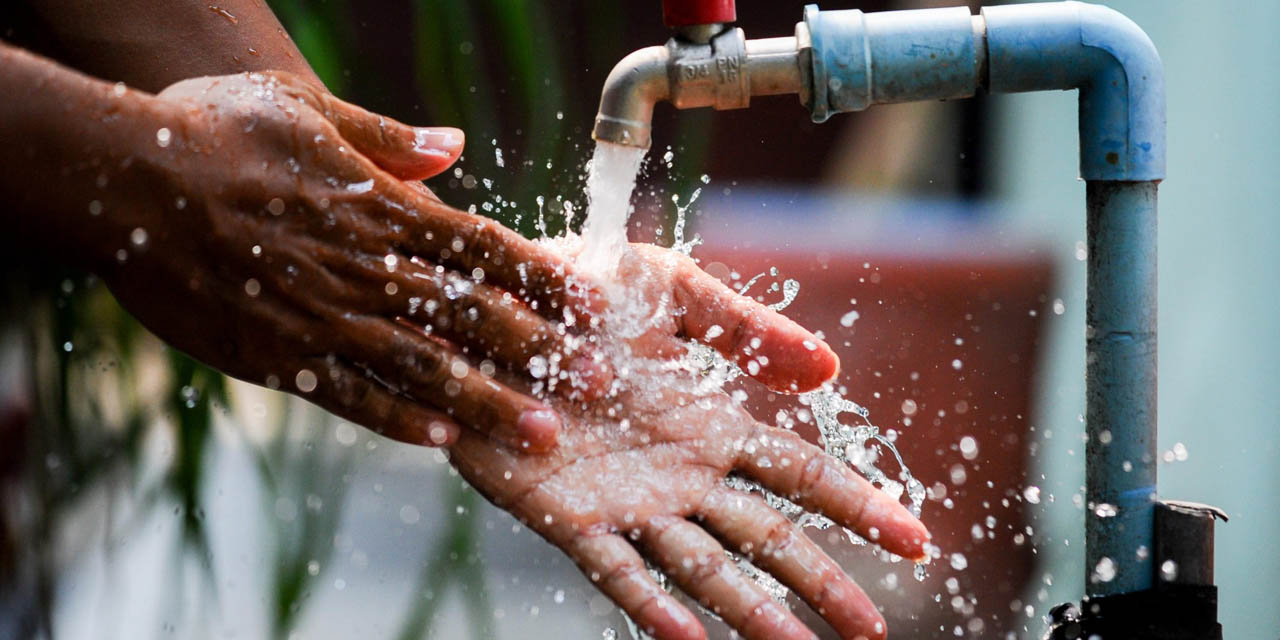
column 1104, row 54
column 633, row 87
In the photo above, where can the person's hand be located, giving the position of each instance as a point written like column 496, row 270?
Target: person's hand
column 286, row 248
column 641, row 473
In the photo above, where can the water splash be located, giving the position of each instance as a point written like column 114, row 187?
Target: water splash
column 856, row 441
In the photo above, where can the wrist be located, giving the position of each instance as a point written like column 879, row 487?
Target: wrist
column 84, row 166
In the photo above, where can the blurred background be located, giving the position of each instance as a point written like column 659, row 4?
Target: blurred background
column 938, row 246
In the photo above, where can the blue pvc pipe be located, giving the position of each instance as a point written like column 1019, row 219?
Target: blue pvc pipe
column 1120, row 381
column 933, row 54
column 860, row 59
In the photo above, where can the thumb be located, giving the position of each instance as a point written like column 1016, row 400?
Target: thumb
column 408, row 153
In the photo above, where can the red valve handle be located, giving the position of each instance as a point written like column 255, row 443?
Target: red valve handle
column 684, row 13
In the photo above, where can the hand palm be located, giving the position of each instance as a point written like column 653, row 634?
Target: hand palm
column 651, row 460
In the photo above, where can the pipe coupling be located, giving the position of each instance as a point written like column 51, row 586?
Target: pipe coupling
column 710, row 75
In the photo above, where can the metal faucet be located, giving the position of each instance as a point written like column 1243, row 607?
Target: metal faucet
column 702, row 65
column 848, row 60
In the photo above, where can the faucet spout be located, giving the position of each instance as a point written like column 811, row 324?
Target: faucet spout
column 723, row 73
column 634, row 86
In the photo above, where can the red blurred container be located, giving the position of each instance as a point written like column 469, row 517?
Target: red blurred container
column 946, row 346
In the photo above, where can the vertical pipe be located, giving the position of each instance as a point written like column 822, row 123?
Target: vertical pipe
column 1120, row 375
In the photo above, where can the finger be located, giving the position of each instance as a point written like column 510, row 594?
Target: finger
column 699, row 565
column 532, row 271
column 490, row 323
column 783, row 462
column 615, row 568
column 766, row 344
column 427, row 370
column 408, row 153
column 748, row 524
column 430, row 228
column 357, row 396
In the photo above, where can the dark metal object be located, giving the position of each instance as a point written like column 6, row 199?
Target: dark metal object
column 1182, row 604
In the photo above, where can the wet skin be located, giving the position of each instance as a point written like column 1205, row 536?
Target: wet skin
column 614, row 493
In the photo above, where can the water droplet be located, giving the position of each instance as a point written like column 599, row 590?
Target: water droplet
column 919, row 572
column 848, row 319
column 345, row 434
column 1105, row 571
column 538, row 367
column 252, row 287
column 959, row 562
column 163, row 136
column 1031, row 494
column 409, row 514
column 968, row 447
column 306, row 380
column 138, row 237
column 1168, row 571
column 95, row 207
column 275, row 206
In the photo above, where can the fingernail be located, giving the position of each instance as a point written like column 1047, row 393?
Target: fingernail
column 440, row 141
column 538, row 429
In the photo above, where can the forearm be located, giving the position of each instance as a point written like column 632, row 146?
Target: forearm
column 150, row 45
column 80, row 158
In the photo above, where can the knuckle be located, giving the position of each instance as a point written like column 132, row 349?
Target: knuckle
column 764, row 615
column 354, row 393
column 435, row 368
column 627, row 571
column 811, row 474
column 778, row 538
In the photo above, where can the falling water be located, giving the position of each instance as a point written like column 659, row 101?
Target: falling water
column 610, row 180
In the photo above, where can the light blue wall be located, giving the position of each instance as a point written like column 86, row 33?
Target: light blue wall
column 1219, row 290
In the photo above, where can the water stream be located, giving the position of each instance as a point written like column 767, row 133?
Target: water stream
column 611, row 177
